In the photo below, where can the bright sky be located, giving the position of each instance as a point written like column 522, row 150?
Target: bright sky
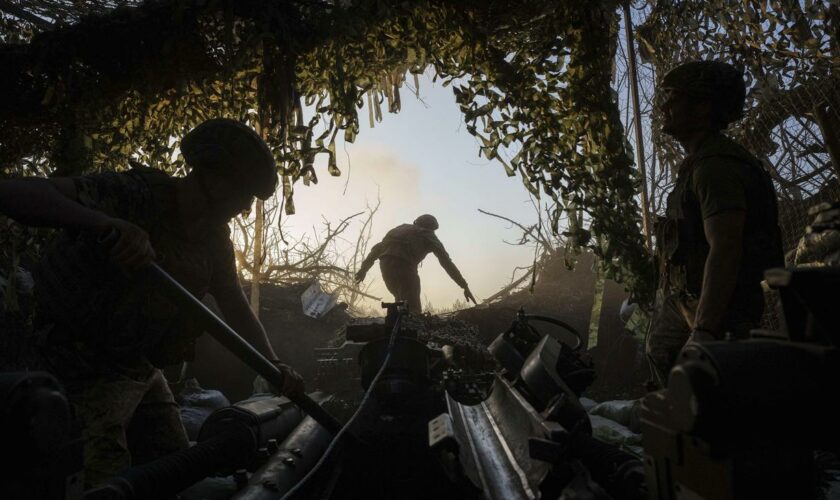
column 423, row 160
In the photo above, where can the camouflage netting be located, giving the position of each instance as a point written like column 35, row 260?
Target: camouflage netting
column 532, row 78
column 790, row 54
column 435, row 331
column 821, row 244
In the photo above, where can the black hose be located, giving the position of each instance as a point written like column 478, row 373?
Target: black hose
column 177, row 471
column 391, row 342
column 561, row 324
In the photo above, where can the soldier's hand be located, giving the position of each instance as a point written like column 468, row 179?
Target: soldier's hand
column 128, row 245
column 360, row 276
column 701, row 336
column 469, row 296
column 292, row 381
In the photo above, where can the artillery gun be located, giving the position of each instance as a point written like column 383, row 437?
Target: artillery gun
column 436, row 422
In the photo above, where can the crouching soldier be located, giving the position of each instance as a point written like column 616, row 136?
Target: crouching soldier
column 720, row 231
column 399, row 254
column 107, row 330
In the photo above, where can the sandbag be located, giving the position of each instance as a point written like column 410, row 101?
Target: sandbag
column 197, row 404
column 612, row 432
column 624, row 412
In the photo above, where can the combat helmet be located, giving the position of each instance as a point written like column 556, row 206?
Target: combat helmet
column 719, row 82
column 222, row 144
column 427, row 221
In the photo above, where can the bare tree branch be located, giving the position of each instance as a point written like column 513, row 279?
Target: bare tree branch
column 530, row 231
column 321, row 254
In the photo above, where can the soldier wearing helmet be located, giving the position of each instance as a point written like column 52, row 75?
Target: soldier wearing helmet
column 399, row 254
column 720, row 231
column 107, row 330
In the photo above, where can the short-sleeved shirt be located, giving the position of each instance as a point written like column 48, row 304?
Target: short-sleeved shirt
column 720, row 176
column 109, row 318
column 720, row 184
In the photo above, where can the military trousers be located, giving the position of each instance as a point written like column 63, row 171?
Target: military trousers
column 674, row 319
column 669, row 331
column 126, row 421
column 401, row 279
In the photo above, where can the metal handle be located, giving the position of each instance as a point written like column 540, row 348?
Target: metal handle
column 246, row 353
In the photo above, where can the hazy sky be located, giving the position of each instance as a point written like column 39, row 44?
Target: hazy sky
column 423, row 160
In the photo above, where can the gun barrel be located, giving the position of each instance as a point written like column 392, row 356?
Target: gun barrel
column 232, row 438
column 170, row 474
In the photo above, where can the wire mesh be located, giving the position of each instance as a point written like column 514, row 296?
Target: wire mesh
column 790, row 133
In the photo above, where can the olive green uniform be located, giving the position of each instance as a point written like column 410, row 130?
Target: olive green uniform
column 720, row 176
column 107, row 334
column 399, row 254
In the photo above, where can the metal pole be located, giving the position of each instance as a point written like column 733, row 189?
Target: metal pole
column 246, row 353
column 637, row 121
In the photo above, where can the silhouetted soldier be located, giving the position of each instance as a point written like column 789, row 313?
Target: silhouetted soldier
column 399, row 254
column 721, row 227
column 106, row 330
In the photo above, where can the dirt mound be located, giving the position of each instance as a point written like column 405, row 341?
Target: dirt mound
column 566, row 294
column 569, row 295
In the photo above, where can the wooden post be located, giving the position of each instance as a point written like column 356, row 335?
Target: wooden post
column 828, row 126
column 597, row 303
column 256, row 276
column 259, row 230
column 637, row 121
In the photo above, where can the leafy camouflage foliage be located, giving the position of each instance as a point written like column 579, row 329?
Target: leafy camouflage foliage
column 532, row 78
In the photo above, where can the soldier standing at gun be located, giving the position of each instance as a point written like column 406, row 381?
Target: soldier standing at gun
column 107, row 330
column 399, row 254
column 721, row 229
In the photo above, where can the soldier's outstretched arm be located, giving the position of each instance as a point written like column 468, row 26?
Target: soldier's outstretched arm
column 450, row 268
column 35, row 201
column 374, row 254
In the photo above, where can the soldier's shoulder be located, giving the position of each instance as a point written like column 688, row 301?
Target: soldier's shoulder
column 137, row 178
column 110, row 192
column 722, row 158
column 432, row 238
column 723, row 148
column 149, row 175
column 401, row 231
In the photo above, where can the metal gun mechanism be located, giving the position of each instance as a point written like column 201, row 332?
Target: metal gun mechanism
column 531, row 437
